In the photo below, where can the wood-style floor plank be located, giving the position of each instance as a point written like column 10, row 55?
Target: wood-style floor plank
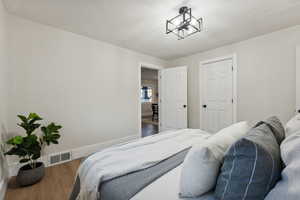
column 56, row 185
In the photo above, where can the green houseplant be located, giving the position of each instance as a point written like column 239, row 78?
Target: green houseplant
column 29, row 147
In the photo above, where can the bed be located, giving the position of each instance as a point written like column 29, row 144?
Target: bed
column 146, row 164
column 191, row 164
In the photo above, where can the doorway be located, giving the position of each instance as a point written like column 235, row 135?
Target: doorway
column 149, row 98
column 163, row 99
column 218, row 93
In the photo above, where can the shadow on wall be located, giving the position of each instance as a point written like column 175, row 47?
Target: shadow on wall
column 3, row 161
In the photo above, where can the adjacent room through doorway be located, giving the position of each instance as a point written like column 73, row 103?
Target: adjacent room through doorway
column 149, row 101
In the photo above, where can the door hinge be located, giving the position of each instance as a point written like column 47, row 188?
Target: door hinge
column 232, row 67
column 231, row 100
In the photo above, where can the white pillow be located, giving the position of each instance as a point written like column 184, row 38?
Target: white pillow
column 288, row 187
column 202, row 164
column 293, row 125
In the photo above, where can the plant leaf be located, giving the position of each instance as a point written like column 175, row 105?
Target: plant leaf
column 29, row 123
column 34, row 116
column 10, row 141
column 23, row 118
column 17, row 151
column 15, row 140
column 18, row 140
column 51, row 133
column 24, row 160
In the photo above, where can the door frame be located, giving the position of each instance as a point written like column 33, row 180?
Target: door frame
column 234, row 82
column 148, row 66
column 297, row 74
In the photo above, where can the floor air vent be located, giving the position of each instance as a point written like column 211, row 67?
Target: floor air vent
column 59, row 158
column 54, row 159
column 65, row 156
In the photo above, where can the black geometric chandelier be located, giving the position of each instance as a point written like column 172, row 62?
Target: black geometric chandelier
column 184, row 24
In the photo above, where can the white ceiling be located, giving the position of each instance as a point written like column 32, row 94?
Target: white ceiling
column 140, row 24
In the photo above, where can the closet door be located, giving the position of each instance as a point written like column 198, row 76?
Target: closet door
column 217, row 99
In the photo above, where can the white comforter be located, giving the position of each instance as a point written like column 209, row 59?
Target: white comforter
column 130, row 157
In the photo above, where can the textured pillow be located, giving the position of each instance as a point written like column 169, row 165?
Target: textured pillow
column 288, row 187
column 276, row 127
column 293, row 125
column 202, row 164
column 251, row 167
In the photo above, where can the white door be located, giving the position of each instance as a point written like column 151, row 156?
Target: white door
column 173, row 96
column 217, row 100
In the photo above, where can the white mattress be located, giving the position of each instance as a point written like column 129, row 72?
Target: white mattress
column 166, row 188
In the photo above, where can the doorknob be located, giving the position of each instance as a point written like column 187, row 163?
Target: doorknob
column 204, row 106
column 184, row 106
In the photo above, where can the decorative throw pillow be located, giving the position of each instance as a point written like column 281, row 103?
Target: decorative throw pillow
column 293, row 125
column 276, row 127
column 251, row 167
column 202, row 164
column 288, row 187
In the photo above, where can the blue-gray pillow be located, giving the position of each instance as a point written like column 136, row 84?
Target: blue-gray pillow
column 276, row 128
column 251, row 168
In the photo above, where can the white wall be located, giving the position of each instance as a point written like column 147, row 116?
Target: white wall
column 89, row 87
column 266, row 76
column 3, row 94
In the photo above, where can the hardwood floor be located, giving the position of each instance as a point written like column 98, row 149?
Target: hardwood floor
column 56, row 185
column 149, row 129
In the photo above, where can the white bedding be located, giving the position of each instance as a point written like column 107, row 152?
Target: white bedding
column 166, row 188
column 130, row 157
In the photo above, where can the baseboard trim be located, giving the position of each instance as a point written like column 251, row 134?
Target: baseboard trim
column 3, row 187
column 78, row 153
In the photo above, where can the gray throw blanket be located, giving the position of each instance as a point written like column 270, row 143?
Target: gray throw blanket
column 126, row 186
column 133, row 156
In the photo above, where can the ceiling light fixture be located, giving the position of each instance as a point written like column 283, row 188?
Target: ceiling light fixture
column 184, row 24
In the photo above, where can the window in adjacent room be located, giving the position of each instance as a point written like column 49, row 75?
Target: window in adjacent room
column 146, row 94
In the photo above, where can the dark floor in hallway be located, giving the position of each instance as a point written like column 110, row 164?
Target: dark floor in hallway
column 149, row 129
